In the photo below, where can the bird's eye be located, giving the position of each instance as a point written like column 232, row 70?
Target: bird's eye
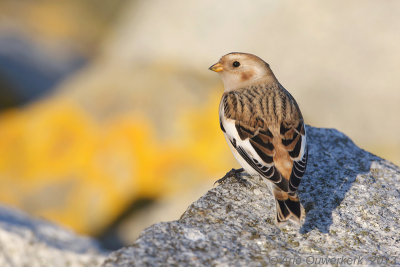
column 236, row 64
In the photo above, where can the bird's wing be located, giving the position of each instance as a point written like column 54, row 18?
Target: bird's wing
column 295, row 143
column 266, row 153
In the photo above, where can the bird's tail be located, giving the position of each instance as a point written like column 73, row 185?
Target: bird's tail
column 287, row 207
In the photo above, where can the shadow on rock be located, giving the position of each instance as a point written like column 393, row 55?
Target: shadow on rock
column 333, row 166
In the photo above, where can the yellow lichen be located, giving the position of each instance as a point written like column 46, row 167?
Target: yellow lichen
column 57, row 162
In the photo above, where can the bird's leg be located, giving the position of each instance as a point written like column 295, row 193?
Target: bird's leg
column 236, row 174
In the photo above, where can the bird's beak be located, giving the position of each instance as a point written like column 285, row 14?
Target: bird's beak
column 217, row 67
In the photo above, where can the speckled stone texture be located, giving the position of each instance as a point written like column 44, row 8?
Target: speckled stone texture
column 352, row 200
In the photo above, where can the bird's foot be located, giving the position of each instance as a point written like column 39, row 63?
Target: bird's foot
column 236, row 174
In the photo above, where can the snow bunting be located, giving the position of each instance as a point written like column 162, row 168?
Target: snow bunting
column 264, row 128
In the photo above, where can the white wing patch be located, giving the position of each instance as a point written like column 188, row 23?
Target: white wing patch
column 303, row 146
column 244, row 152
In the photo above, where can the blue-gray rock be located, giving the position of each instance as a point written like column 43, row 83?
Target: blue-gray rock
column 352, row 201
column 29, row 69
column 26, row 241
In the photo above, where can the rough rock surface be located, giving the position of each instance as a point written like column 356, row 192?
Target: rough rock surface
column 25, row 241
column 352, row 199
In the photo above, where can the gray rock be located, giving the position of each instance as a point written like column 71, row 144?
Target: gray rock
column 352, row 199
column 25, row 241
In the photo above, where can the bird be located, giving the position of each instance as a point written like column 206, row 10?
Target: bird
column 264, row 128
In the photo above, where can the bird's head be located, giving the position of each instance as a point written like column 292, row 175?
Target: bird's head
column 238, row 70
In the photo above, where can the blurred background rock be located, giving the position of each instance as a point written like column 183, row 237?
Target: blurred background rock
column 109, row 118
